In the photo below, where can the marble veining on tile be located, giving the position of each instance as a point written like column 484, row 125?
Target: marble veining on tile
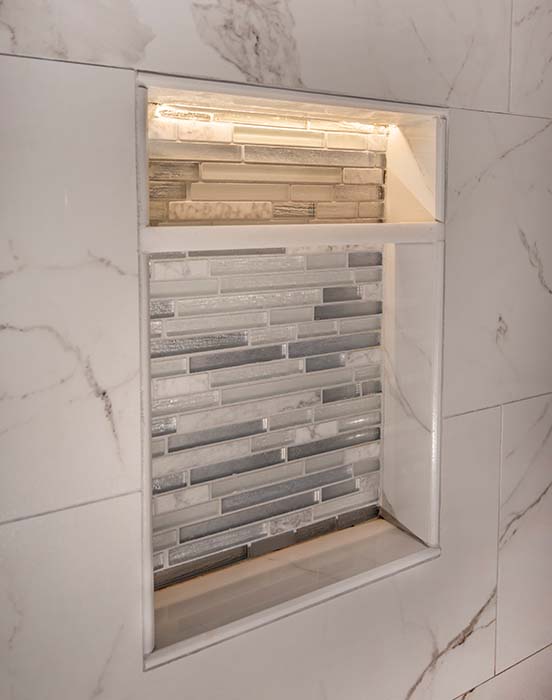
column 257, row 37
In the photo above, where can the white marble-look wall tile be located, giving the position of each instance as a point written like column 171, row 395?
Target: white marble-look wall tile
column 70, row 603
column 498, row 282
column 412, row 292
column 525, row 566
column 439, row 53
column 69, row 340
column 71, row 609
column 532, row 58
column 529, row 680
column 434, row 623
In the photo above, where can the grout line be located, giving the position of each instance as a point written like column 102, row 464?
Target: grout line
column 510, row 57
column 71, row 507
column 500, row 452
column 504, row 670
column 497, row 405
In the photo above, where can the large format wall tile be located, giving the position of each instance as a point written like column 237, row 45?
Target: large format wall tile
column 525, row 567
column 70, row 602
column 72, row 615
column 436, row 53
column 424, row 51
column 69, row 341
column 531, row 679
column 498, row 286
column 532, row 58
column 436, row 621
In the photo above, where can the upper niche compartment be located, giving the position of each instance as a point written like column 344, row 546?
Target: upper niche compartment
column 233, row 159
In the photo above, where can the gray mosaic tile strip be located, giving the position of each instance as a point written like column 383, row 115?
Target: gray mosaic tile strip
column 249, row 515
column 170, row 482
column 341, row 293
column 183, row 572
column 286, row 488
column 236, row 466
column 161, row 308
column 364, row 258
column 359, row 308
column 342, row 489
column 202, row 363
column 198, row 343
column 322, row 346
column 341, row 393
column 238, row 302
column 333, row 443
column 277, row 435
column 207, row 437
column 193, row 550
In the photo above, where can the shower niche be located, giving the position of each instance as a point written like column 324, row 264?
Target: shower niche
column 292, row 270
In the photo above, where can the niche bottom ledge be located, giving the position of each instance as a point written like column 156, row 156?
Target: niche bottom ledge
column 220, row 605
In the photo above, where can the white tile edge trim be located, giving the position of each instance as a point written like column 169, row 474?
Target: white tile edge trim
column 167, row 239
column 181, row 83
column 278, row 612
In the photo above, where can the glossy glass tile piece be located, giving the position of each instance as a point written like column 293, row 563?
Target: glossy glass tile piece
column 285, row 281
column 163, row 540
column 316, row 329
column 359, row 308
column 254, row 372
column 185, row 326
column 326, row 261
column 181, row 404
column 322, row 362
column 254, row 479
column 161, row 308
column 163, row 426
column 215, row 360
column 291, row 315
column 282, row 386
column 341, row 489
column 209, row 545
column 236, row 466
column 170, row 482
column 341, row 293
column 333, row 443
column 256, row 264
column 189, row 514
column 365, row 258
column 207, row 437
column 327, row 345
column 237, row 302
column 340, row 393
column 248, row 515
column 197, row 343
column 286, row 488
column 179, row 288
column 182, row 572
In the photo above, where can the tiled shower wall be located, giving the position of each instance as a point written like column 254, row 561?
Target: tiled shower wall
column 266, row 400
column 221, row 167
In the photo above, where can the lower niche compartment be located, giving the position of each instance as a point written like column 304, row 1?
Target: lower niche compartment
column 229, row 601
column 266, row 401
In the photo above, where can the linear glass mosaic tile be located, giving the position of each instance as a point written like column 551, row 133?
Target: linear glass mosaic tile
column 221, row 169
column 266, row 402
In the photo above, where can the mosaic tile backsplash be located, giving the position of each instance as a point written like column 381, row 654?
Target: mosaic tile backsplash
column 221, row 167
column 266, row 400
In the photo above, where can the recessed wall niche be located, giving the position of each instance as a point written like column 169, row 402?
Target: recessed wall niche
column 293, row 258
